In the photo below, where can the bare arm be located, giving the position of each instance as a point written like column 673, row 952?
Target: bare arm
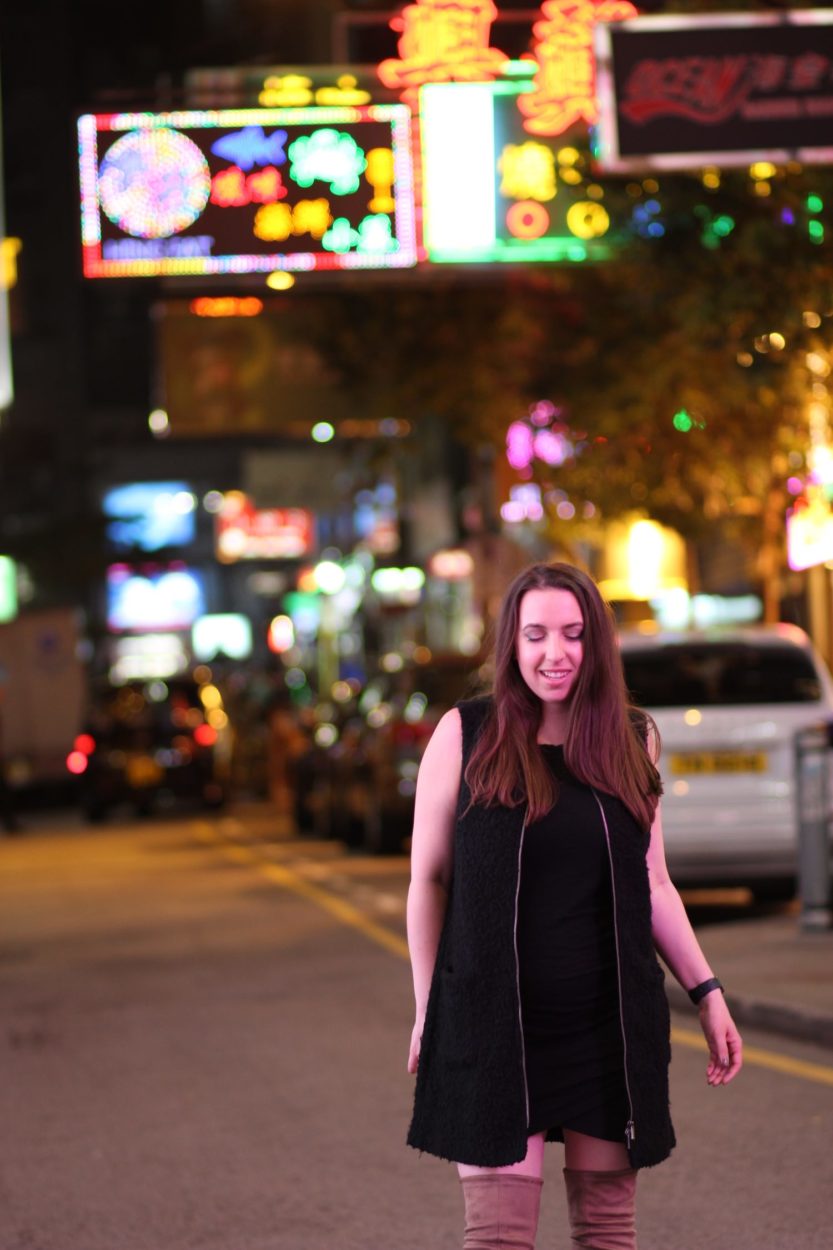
column 432, row 846
column 677, row 943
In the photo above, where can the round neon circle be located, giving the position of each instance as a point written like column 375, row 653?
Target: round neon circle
column 587, row 220
column 527, row 220
column 154, row 183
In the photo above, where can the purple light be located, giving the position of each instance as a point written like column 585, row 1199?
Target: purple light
column 788, row 216
column 520, row 448
column 550, row 447
column 795, row 485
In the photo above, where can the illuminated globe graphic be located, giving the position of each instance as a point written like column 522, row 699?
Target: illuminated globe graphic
column 154, row 183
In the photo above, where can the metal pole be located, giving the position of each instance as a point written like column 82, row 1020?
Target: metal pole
column 812, row 757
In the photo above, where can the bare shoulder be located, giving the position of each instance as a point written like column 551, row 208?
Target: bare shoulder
column 444, row 752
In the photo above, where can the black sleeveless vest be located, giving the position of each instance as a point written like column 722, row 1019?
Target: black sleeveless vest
column 470, row 1102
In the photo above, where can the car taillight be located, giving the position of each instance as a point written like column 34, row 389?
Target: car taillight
column 205, row 736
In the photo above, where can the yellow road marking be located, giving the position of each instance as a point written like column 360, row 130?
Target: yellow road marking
column 763, row 1058
column 349, row 915
column 296, row 884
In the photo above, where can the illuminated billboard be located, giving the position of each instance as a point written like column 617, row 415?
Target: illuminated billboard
column 494, row 193
column 152, row 598
column 150, row 515
column 726, row 89
column 246, row 190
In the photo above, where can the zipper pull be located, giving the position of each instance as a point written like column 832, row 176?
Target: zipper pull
column 630, row 1133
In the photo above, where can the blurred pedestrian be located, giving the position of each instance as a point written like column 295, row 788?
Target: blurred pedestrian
column 539, row 896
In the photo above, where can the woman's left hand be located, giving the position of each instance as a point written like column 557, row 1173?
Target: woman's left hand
column 723, row 1039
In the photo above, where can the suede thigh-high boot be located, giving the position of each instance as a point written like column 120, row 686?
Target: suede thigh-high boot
column 501, row 1211
column 602, row 1207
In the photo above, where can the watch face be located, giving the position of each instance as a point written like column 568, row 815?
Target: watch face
column 154, row 183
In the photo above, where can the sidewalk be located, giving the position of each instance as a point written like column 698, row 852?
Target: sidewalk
column 777, row 977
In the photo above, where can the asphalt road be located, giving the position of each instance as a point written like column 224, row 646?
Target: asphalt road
column 204, row 1031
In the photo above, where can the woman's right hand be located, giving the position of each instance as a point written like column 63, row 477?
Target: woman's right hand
column 413, row 1053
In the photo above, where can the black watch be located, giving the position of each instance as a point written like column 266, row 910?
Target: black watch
column 704, row 988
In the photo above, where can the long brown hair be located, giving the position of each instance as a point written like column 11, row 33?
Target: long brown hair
column 606, row 743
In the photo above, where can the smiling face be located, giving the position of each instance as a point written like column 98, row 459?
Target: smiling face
column 550, row 648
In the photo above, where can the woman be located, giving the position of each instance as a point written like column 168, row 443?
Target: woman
column 539, row 894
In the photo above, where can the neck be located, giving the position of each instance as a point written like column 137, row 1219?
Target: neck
column 553, row 726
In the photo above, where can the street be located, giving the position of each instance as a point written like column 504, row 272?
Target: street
column 205, row 1025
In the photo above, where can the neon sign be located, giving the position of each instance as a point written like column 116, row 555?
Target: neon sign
column 565, row 84
column 493, row 194
column 442, row 41
column 246, row 190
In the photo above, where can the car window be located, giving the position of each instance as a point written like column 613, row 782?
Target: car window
column 694, row 674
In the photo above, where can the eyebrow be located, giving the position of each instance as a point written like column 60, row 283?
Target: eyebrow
column 569, row 625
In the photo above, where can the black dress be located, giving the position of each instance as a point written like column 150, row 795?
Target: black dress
column 568, row 974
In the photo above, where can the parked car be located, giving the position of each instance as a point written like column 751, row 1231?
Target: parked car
column 728, row 706
column 358, row 780
column 151, row 745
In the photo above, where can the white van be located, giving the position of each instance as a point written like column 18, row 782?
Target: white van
column 728, row 705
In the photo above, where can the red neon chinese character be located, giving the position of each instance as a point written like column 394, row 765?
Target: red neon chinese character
column 769, row 72
column 228, row 188
column 266, row 186
column 442, row 41
column 565, row 84
column 808, row 71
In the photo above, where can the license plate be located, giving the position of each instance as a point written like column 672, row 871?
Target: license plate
column 720, row 762
column 142, row 771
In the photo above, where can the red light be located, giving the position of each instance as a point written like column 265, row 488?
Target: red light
column 77, row 762
column 205, row 736
column 85, row 743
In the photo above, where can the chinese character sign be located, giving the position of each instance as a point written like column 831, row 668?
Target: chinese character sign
column 565, row 84
column 492, row 193
column 442, row 41
column 237, row 191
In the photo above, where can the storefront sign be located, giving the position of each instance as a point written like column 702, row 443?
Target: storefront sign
column 244, row 532
column 246, row 190
column 492, row 192
column 723, row 89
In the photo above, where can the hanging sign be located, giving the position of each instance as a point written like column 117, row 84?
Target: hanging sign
column 492, row 192
column 246, row 190
column 723, row 89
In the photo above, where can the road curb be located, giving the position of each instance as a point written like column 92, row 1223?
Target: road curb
column 754, row 1013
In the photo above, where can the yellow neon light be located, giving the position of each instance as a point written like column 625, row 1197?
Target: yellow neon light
column 442, row 41
column 345, row 94
column 9, row 251
column 379, row 173
column 278, row 221
column 565, row 85
column 528, row 172
column 286, row 91
column 587, row 220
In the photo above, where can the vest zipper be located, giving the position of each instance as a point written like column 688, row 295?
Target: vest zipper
column 630, row 1128
column 518, row 974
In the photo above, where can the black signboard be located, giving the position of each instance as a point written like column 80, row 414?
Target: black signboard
column 725, row 90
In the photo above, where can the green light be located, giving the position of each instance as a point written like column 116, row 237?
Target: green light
column 519, row 69
column 8, row 589
column 814, row 203
column 322, row 432
column 682, row 421
column 816, row 231
column 723, row 225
